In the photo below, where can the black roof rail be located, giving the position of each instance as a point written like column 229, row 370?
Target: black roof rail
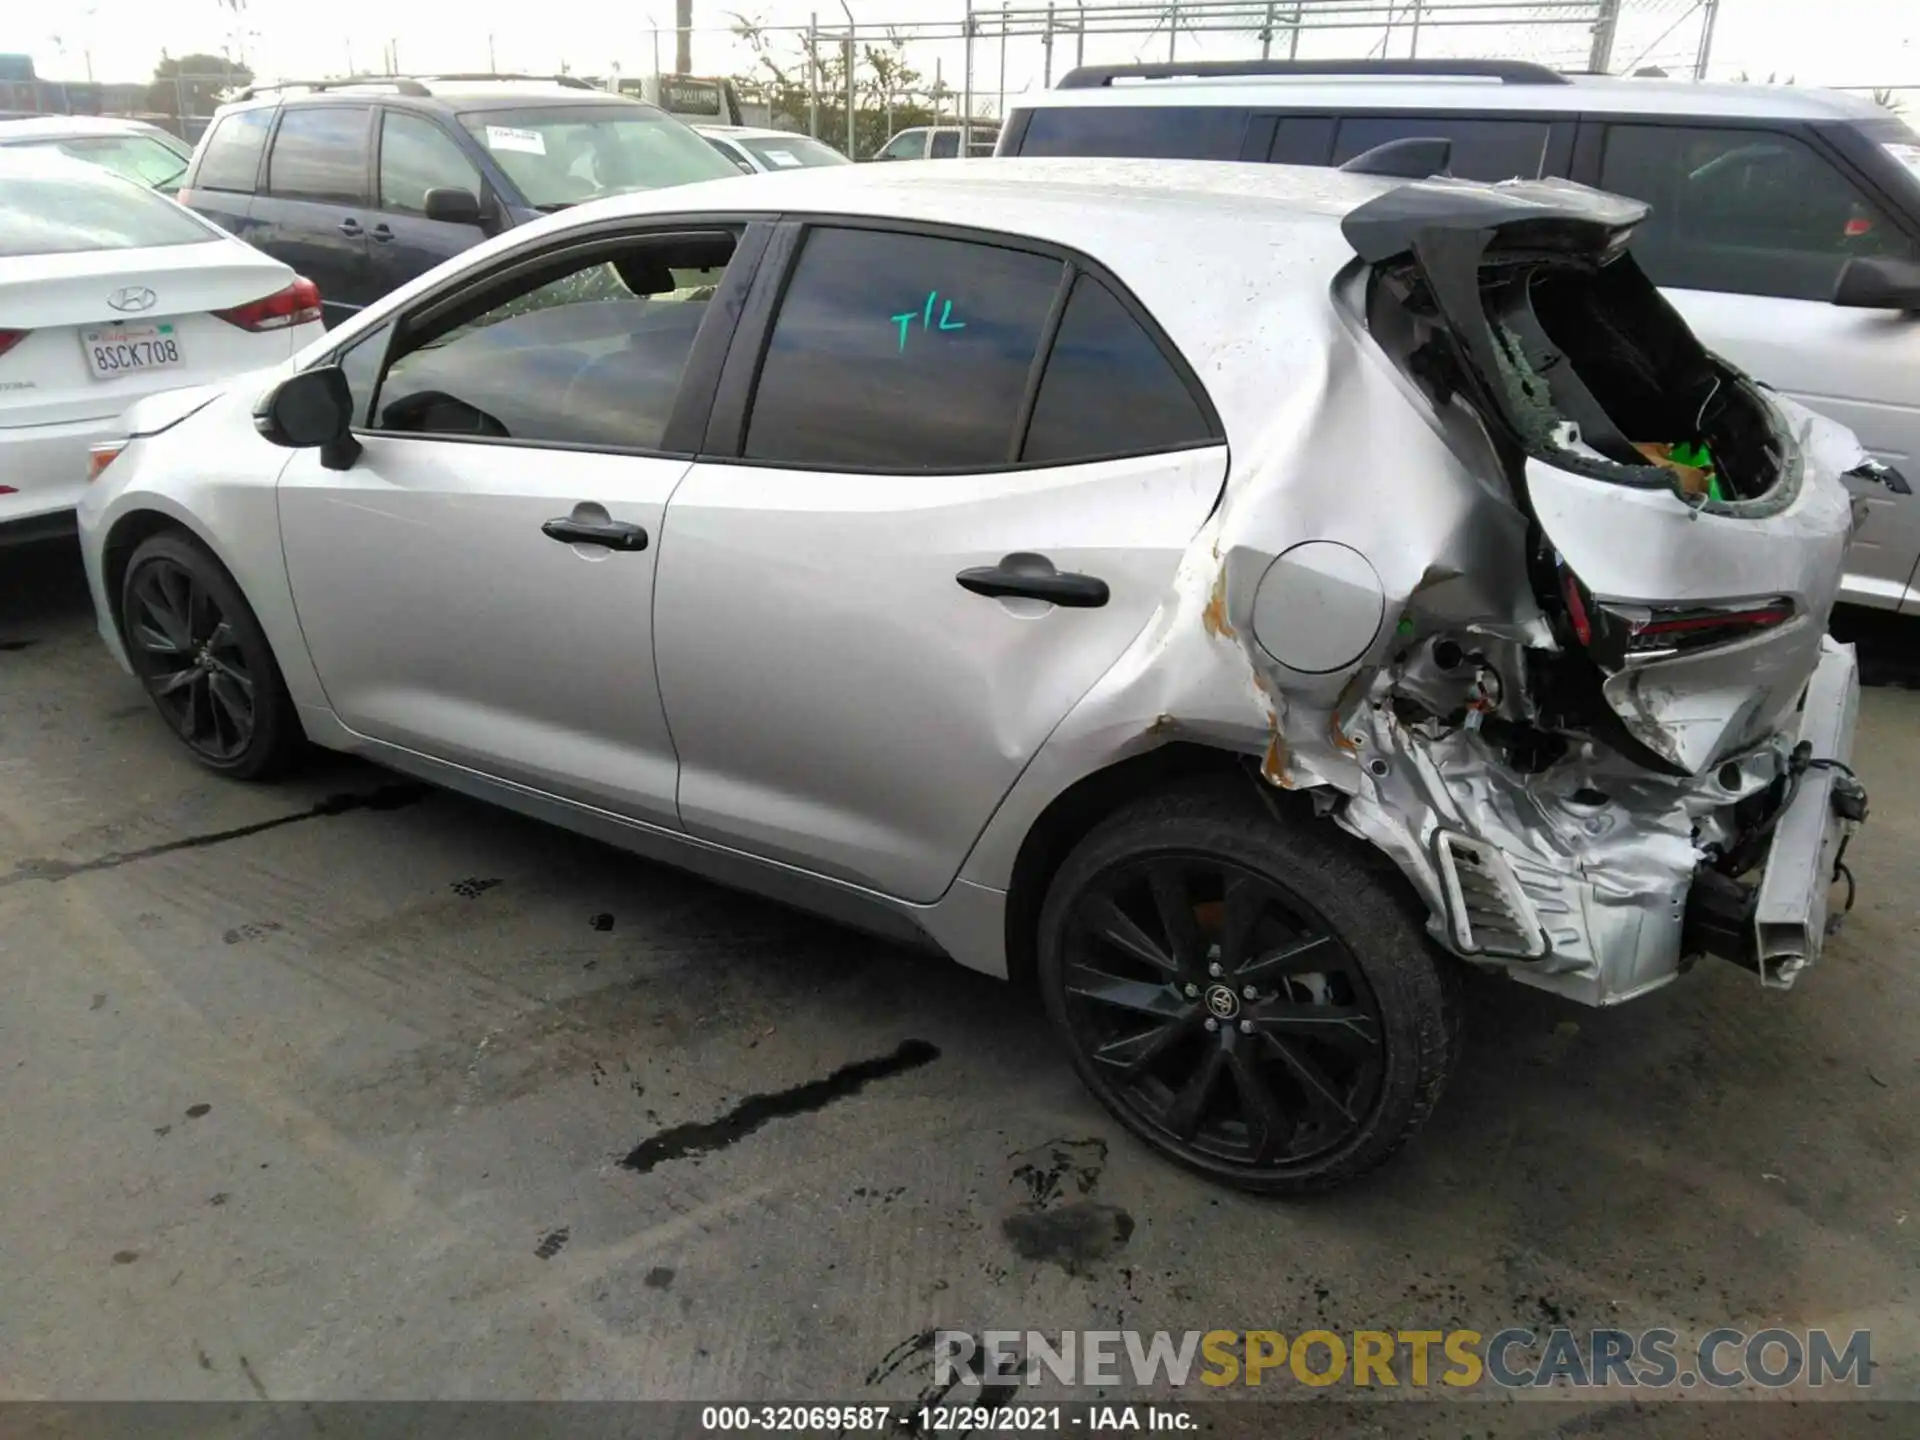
column 403, row 84
column 408, row 84
column 1508, row 72
column 570, row 82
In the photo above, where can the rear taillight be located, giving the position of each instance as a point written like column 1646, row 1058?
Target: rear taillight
column 11, row 338
column 1665, row 631
column 298, row 304
column 1576, row 597
column 1615, row 634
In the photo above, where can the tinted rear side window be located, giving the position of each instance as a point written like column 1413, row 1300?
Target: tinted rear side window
column 1753, row 212
column 1482, row 149
column 1157, row 132
column 231, row 160
column 320, row 154
column 1109, row 389
column 900, row 352
column 1302, row 140
column 946, row 145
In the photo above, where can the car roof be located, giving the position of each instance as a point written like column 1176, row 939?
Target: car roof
column 68, row 127
column 1580, row 95
column 1109, row 193
column 455, row 93
column 31, row 162
column 750, row 132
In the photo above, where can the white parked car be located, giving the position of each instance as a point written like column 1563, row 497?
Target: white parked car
column 754, row 149
column 1785, row 224
column 133, row 148
column 110, row 292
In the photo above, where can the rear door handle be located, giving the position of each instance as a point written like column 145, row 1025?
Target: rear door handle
column 1033, row 577
column 350, row 227
column 614, row 534
column 382, row 231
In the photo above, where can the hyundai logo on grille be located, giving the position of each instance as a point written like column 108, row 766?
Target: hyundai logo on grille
column 133, row 297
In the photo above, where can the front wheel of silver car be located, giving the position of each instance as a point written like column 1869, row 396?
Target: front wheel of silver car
column 204, row 659
column 1245, row 993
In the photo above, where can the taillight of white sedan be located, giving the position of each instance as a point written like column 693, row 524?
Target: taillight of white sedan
column 110, row 292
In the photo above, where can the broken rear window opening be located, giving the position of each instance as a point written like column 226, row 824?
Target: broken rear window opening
column 1576, row 359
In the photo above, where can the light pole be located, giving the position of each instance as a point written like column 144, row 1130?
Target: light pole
column 851, row 53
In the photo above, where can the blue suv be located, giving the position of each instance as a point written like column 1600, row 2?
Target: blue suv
column 362, row 184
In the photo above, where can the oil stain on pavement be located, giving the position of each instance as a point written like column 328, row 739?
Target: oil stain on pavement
column 682, row 1142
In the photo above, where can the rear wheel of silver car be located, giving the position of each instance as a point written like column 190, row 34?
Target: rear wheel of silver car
column 204, row 659
column 1245, row 993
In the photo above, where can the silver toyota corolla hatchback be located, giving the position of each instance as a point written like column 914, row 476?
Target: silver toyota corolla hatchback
column 1213, row 595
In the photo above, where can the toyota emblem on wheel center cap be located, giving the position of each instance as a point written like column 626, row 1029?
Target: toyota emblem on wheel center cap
column 1222, row 1002
column 132, row 297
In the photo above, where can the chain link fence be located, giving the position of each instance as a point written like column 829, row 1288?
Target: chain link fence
column 932, row 72
column 180, row 103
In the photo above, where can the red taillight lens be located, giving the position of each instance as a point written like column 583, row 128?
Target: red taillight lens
column 1666, row 630
column 298, row 304
column 1859, row 225
column 1577, row 607
column 11, row 338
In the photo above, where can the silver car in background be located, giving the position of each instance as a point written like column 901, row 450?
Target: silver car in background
column 133, row 149
column 924, row 546
column 754, row 150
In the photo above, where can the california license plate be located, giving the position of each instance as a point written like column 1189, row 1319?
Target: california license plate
column 124, row 349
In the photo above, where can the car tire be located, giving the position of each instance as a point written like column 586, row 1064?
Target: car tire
column 196, row 646
column 1158, row 923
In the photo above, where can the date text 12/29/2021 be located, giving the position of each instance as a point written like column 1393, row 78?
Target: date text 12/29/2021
column 943, row 1420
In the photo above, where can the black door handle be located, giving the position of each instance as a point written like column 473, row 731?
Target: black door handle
column 349, row 226
column 614, row 534
column 1034, row 578
column 382, row 231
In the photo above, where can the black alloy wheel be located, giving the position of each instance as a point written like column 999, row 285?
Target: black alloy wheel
column 205, row 662
column 1224, row 1008
column 1273, row 1041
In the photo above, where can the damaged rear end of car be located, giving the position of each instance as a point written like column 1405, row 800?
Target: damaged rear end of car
column 1640, row 757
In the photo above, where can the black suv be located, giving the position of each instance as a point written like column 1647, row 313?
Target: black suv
column 362, row 184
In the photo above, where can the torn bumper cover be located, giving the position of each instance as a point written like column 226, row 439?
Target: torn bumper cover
column 1598, row 883
column 1775, row 926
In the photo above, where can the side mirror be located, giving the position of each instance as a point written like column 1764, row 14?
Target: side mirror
column 452, row 205
column 308, row 409
column 1878, row 282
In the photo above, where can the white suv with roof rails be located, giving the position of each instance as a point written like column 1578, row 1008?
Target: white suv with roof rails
column 1785, row 223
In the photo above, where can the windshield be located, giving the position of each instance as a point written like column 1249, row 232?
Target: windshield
column 789, row 152
column 136, row 157
column 48, row 214
column 564, row 155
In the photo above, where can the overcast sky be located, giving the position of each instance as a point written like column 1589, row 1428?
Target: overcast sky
column 1851, row 42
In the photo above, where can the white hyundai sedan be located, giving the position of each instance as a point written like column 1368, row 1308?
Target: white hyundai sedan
column 110, row 292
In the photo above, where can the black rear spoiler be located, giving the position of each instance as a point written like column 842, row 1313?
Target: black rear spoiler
column 1546, row 215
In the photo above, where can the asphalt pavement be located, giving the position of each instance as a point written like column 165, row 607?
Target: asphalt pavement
column 347, row 1087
